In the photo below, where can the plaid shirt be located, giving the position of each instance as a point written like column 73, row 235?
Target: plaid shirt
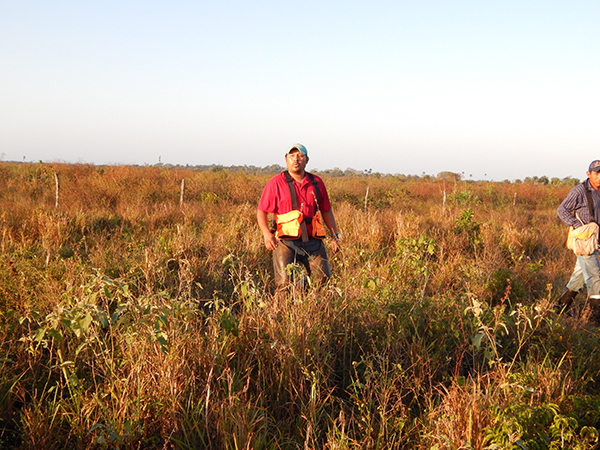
column 576, row 202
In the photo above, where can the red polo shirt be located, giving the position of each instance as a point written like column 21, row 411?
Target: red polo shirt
column 276, row 197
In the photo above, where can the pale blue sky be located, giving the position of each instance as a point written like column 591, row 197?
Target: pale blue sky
column 497, row 90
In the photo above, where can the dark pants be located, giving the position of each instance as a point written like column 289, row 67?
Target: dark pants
column 311, row 254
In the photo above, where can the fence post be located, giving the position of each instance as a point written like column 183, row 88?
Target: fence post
column 57, row 190
column 181, row 194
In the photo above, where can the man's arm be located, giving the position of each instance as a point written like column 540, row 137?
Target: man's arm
column 262, row 218
column 572, row 203
column 329, row 220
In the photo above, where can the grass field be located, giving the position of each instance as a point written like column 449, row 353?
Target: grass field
column 137, row 311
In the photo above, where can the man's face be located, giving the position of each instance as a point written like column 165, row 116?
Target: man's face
column 594, row 179
column 296, row 161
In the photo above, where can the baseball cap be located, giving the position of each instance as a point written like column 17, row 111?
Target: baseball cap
column 302, row 149
column 594, row 166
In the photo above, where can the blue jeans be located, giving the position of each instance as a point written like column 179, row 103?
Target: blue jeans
column 586, row 271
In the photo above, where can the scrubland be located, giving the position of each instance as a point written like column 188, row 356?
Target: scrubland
column 134, row 317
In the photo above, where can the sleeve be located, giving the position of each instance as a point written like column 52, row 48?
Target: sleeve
column 268, row 198
column 571, row 204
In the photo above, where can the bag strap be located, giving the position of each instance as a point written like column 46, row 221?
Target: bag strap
column 298, row 250
column 316, row 186
column 290, row 183
column 590, row 203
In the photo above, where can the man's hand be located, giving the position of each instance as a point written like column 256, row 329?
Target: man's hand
column 271, row 241
column 335, row 246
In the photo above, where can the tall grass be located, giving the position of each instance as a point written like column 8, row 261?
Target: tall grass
column 129, row 320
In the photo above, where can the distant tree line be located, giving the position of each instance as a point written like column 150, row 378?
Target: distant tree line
column 567, row 181
column 349, row 172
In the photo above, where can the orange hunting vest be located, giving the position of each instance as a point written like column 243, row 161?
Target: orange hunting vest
column 292, row 225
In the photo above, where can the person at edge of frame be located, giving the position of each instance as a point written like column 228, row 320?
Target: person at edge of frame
column 277, row 199
column 587, row 268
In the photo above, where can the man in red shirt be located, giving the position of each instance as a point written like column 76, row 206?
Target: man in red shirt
column 310, row 196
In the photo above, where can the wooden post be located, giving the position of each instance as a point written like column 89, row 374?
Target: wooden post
column 366, row 197
column 181, row 194
column 57, row 189
column 444, row 201
column 515, row 199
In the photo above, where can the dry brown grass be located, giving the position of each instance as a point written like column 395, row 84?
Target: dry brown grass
column 129, row 320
